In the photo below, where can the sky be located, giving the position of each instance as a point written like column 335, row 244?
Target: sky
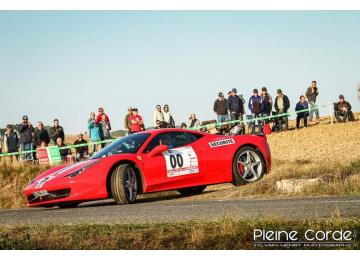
column 66, row 64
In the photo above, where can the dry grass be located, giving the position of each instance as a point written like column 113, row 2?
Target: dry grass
column 221, row 234
column 322, row 150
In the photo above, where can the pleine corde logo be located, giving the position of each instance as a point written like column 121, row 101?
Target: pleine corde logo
column 309, row 237
column 222, row 142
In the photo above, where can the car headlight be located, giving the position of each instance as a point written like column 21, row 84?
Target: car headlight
column 77, row 172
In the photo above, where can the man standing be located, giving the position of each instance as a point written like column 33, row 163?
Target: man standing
column 158, row 115
column 235, row 106
column 26, row 139
column 342, row 109
column 127, row 122
column 57, row 131
column 220, row 108
column 256, row 107
column 136, row 121
column 267, row 101
column 301, row 111
column 41, row 136
column 11, row 141
column 282, row 104
column 311, row 94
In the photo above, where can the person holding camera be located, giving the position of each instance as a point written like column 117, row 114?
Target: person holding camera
column 311, row 93
column 26, row 140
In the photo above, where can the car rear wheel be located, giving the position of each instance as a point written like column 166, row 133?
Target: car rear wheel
column 248, row 166
column 124, row 184
column 192, row 190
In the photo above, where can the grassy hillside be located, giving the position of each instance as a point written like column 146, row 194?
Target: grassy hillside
column 324, row 150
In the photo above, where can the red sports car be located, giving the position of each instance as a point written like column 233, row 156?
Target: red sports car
column 152, row 161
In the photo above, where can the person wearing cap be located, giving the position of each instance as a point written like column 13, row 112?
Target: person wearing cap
column 82, row 152
column 302, row 112
column 235, row 106
column 158, row 115
column 26, row 140
column 282, row 105
column 342, row 109
column 41, row 138
column 11, row 141
column 127, row 122
column 57, row 131
column 136, row 121
column 256, row 106
column 267, row 101
column 220, row 108
column 311, row 93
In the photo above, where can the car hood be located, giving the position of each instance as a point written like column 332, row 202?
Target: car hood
column 59, row 172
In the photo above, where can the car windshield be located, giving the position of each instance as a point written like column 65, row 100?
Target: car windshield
column 127, row 144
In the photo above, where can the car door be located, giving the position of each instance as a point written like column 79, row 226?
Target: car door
column 181, row 165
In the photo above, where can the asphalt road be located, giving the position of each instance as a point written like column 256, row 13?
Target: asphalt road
column 150, row 211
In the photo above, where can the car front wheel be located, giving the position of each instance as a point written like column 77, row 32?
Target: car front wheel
column 124, row 184
column 248, row 166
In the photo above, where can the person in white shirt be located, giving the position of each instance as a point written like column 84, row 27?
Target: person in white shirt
column 158, row 115
column 167, row 114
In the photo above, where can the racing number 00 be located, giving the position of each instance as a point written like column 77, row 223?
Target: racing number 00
column 176, row 161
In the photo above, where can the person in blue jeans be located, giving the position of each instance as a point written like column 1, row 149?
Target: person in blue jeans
column 301, row 111
column 26, row 132
column 221, row 108
column 311, row 93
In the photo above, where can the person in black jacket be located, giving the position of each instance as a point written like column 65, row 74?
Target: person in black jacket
column 221, row 108
column 282, row 105
column 82, row 152
column 11, row 141
column 42, row 138
column 26, row 139
column 235, row 106
column 57, row 131
column 63, row 152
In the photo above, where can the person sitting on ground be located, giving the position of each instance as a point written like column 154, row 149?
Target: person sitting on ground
column 11, row 141
column 183, row 126
column 41, row 135
column 57, row 131
column 137, row 123
column 193, row 123
column 158, row 124
column 301, row 109
column 82, row 152
column 63, row 152
column 343, row 109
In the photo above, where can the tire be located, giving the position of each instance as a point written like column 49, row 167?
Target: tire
column 124, row 184
column 192, row 190
column 67, row 205
column 248, row 166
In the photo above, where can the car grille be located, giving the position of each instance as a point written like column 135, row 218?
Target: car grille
column 56, row 194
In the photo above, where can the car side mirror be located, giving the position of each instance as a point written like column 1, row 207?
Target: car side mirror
column 158, row 150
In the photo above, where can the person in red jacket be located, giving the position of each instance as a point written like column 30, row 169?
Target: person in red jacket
column 99, row 116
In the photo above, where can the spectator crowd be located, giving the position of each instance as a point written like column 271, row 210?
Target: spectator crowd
column 230, row 111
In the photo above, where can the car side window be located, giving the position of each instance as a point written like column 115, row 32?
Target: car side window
column 172, row 139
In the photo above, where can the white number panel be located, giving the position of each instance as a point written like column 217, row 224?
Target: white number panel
column 181, row 161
